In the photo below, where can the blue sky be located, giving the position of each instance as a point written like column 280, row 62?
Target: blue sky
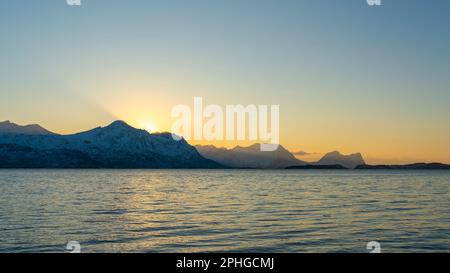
column 346, row 75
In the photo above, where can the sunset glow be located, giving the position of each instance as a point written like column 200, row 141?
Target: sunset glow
column 150, row 127
column 352, row 93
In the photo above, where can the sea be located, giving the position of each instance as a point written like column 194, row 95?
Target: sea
column 288, row 211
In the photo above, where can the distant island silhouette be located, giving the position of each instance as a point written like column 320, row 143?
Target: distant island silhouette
column 415, row 166
column 121, row 146
column 317, row 167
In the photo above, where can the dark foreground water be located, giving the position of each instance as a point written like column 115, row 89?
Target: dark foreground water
column 224, row 210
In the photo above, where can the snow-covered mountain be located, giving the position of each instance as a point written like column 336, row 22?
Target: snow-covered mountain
column 115, row 146
column 250, row 157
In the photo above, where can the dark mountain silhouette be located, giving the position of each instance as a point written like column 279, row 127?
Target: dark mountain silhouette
column 115, row 146
column 415, row 166
column 336, row 158
column 250, row 157
column 8, row 127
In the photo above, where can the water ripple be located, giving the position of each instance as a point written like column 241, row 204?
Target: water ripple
column 224, row 210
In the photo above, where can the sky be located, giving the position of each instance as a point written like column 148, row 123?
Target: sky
column 347, row 76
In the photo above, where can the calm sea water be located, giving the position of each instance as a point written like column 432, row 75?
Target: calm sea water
column 224, row 210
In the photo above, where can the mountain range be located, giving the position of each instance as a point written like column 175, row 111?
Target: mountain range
column 250, row 157
column 120, row 145
column 253, row 157
column 117, row 145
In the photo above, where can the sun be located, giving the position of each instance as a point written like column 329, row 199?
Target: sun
column 149, row 126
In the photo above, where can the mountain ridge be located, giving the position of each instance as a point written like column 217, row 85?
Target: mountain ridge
column 7, row 127
column 117, row 145
column 350, row 161
column 250, row 157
